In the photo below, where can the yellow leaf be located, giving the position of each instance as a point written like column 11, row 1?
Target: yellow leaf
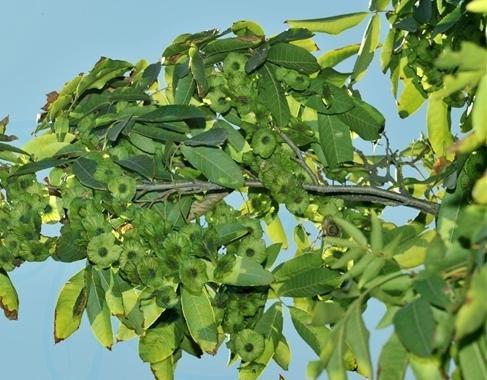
column 276, row 232
column 414, row 251
column 438, row 120
column 479, row 192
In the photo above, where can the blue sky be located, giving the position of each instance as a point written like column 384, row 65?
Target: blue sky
column 45, row 43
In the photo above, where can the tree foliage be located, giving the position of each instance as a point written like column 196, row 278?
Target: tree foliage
column 138, row 174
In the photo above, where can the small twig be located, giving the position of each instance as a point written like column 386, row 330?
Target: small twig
column 354, row 193
column 299, row 155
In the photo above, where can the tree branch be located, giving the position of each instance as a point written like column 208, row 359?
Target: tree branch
column 352, row 193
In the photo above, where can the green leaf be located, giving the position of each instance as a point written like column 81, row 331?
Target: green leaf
column 68, row 245
column 257, row 59
column 230, row 44
column 297, row 265
column 119, row 127
column 9, row 300
column 160, row 341
column 454, row 201
column 215, row 165
column 315, row 336
column 293, row 57
column 270, row 324
column 415, row 327
column 165, row 369
column 47, row 145
column 330, row 25
column 369, row 43
column 472, row 359
column 364, row 119
column 358, row 337
column 473, row 313
column 282, row 356
column 273, row 97
column 172, row 112
column 184, row 90
column 335, row 139
column 387, row 50
column 293, row 34
column 426, row 368
column 200, row 319
column 212, row 137
column 335, row 56
column 411, row 98
column 158, row 132
column 378, row 5
column 105, row 70
column 413, row 251
column 198, row 70
column 479, row 113
column 83, row 169
column 448, row 21
column 393, row 360
column 141, row 164
column 70, row 306
column 34, row 167
column 10, row 148
column 228, row 232
column 336, row 364
column 97, row 309
column 438, row 120
column 433, row 289
column 310, row 283
column 247, row 272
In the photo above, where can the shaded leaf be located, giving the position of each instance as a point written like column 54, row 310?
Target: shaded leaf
column 141, row 164
column 173, row 112
column 315, row 336
column 215, row 164
column 358, row 337
column 160, row 341
column 200, row 319
column 212, row 137
column 393, row 360
column 335, row 139
column 293, row 57
column 272, row 96
column 310, row 283
column 83, row 169
column 415, row 325
column 364, row 119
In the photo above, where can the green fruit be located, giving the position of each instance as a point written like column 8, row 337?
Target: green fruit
column 249, row 345
column 193, row 275
column 106, row 171
column 233, row 321
column 252, row 249
column 102, row 250
column 215, row 81
column 281, row 73
column 264, row 142
column 297, row 203
column 234, row 63
column 218, row 101
column 6, row 259
column 151, row 272
column 166, row 297
column 34, row 251
column 254, row 227
column 132, row 252
column 297, row 81
column 95, row 225
column 122, row 188
column 282, row 187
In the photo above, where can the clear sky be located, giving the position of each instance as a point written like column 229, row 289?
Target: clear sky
column 43, row 44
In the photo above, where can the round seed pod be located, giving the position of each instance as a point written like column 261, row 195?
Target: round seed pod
column 234, row 63
column 102, row 250
column 192, row 274
column 218, row 101
column 122, row 188
column 264, row 142
column 298, row 202
column 249, row 345
column 253, row 249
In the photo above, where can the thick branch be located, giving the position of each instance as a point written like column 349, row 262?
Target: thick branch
column 353, row 193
